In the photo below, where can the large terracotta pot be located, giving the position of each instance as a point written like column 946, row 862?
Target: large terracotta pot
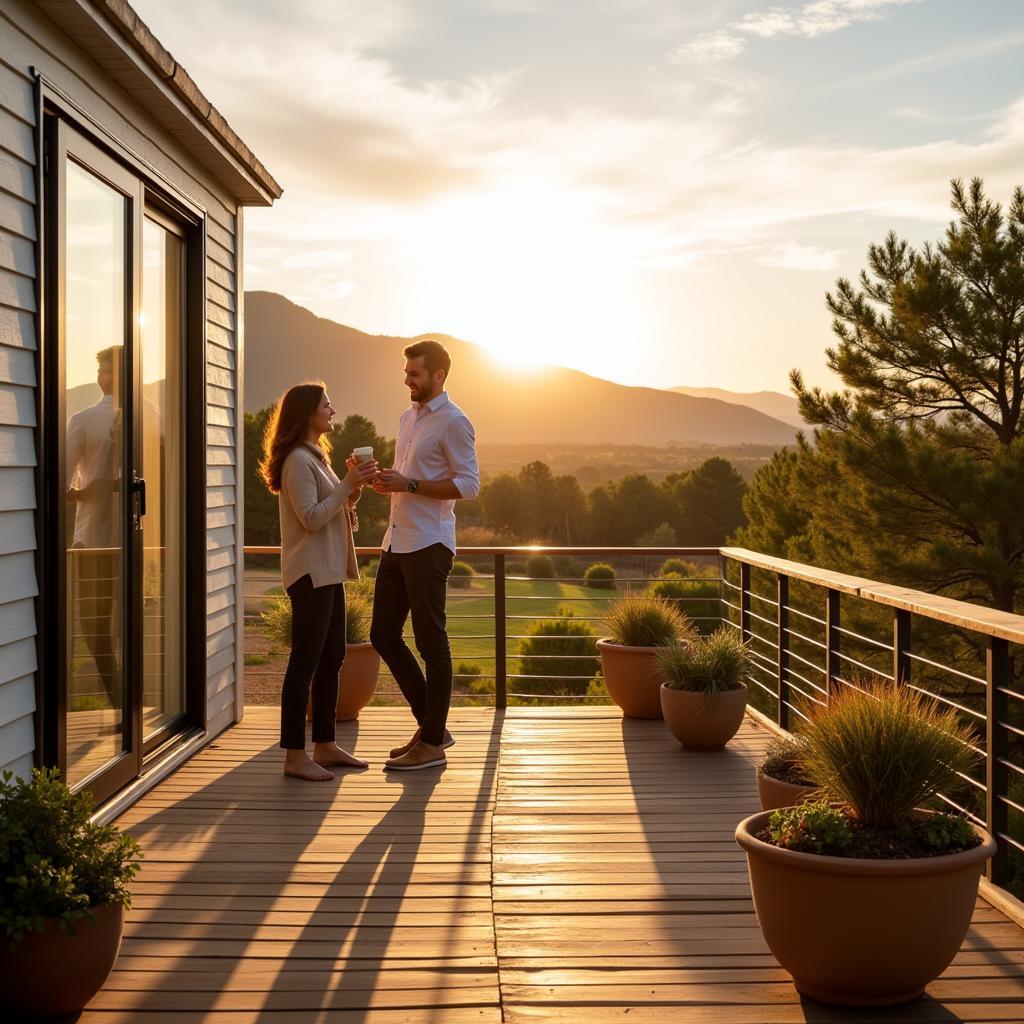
column 632, row 677
column 53, row 974
column 861, row 932
column 775, row 793
column 699, row 723
column 357, row 681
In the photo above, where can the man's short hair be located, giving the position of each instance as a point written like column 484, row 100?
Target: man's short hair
column 435, row 355
column 110, row 358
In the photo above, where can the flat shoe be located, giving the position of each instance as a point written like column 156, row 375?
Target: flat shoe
column 449, row 741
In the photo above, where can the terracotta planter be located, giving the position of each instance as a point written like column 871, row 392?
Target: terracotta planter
column 702, row 724
column 632, row 677
column 775, row 793
column 357, row 682
column 861, row 932
column 53, row 974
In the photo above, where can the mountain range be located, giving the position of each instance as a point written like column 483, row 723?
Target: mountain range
column 771, row 403
column 285, row 344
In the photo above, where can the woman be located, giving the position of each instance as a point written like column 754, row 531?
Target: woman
column 317, row 556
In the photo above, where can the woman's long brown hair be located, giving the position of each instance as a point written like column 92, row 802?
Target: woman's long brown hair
column 287, row 427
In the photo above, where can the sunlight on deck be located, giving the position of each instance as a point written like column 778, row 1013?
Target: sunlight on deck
column 567, row 865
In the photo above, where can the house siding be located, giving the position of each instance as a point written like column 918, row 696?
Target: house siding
column 28, row 39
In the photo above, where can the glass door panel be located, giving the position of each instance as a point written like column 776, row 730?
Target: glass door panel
column 96, row 332
column 162, row 331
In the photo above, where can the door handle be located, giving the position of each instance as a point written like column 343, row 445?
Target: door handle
column 139, row 488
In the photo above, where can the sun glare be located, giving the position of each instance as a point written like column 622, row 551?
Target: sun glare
column 525, row 274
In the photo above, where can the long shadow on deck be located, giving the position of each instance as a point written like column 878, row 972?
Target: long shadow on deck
column 336, row 957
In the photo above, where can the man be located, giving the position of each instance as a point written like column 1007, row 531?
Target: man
column 435, row 465
column 94, row 468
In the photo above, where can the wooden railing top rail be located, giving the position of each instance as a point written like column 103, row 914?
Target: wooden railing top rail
column 535, row 549
column 963, row 614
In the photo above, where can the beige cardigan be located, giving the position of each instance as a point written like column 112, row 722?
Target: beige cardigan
column 316, row 532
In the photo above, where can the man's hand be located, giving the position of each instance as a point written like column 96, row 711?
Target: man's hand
column 390, row 481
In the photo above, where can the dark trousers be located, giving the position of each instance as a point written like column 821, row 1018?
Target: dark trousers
column 416, row 582
column 318, row 650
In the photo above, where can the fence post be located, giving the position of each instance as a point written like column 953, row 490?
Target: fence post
column 900, row 645
column 782, row 681
column 831, row 639
column 723, row 609
column 997, row 749
column 500, row 695
column 744, row 601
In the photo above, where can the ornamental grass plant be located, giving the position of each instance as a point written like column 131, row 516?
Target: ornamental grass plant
column 881, row 750
column 645, row 620
column 783, row 760
column 276, row 617
column 711, row 664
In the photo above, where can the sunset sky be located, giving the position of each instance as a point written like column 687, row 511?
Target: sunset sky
column 655, row 191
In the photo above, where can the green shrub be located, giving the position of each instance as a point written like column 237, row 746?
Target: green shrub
column 600, row 576
column 276, row 617
column 640, row 619
column 945, row 831
column 679, row 566
column 712, row 664
column 54, row 863
column 557, row 647
column 783, row 761
column 698, row 599
column 568, row 567
column 811, row 828
column 461, row 575
column 882, row 750
column 540, row 567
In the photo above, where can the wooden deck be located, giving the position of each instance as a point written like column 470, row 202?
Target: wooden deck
column 566, row 866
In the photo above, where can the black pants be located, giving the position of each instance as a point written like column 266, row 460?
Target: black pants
column 318, row 650
column 416, row 582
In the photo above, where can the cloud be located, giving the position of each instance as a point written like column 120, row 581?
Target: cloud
column 710, row 47
column 817, row 18
column 794, row 256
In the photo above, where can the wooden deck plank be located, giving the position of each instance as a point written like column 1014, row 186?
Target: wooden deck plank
column 568, row 865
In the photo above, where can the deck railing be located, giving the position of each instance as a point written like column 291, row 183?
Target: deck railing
column 809, row 631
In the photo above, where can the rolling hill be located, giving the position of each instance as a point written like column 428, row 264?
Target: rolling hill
column 285, row 344
column 771, row 403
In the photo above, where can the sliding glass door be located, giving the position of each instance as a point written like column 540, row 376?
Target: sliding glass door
column 116, row 390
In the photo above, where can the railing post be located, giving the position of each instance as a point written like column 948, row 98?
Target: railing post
column 998, row 667
column 500, row 687
column 782, row 681
column 831, row 639
column 722, row 576
column 900, row 645
column 744, row 601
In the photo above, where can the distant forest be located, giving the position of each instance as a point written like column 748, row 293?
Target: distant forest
column 609, row 500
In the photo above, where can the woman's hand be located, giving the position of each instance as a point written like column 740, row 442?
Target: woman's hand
column 359, row 474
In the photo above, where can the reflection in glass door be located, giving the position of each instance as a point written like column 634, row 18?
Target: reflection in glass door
column 162, row 330
column 96, row 333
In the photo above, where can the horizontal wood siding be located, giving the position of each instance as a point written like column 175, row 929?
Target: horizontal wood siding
column 29, row 39
column 18, row 345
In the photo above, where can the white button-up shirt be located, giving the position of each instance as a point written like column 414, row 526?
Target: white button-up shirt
column 435, row 441
column 93, row 461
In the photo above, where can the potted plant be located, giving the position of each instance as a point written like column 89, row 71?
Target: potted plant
column 639, row 625
column 357, row 680
column 867, row 898
column 703, row 697
column 63, row 896
column 782, row 779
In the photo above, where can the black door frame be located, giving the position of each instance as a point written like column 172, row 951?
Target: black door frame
column 64, row 129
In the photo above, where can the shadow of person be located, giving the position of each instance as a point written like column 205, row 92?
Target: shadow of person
column 219, row 856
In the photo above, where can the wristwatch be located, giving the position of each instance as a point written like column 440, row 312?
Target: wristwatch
column 411, row 485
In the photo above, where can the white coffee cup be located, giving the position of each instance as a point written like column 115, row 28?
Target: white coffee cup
column 363, row 454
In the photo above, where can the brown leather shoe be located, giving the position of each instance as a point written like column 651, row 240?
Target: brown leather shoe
column 449, row 740
column 422, row 755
